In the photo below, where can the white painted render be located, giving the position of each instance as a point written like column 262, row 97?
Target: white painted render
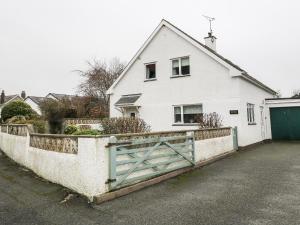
column 219, row 88
column 278, row 103
column 87, row 171
column 33, row 105
column 217, row 146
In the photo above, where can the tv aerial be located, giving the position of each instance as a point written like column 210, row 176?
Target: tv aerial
column 210, row 20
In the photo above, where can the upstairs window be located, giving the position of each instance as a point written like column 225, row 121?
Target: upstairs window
column 181, row 66
column 187, row 114
column 250, row 113
column 150, row 71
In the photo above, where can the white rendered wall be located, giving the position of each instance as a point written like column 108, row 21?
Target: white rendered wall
column 249, row 134
column 33, row 105
column 209, row 84
column 85, row 172
column 210, row 148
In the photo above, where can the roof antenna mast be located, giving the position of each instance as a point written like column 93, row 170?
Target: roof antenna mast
column 210, row 20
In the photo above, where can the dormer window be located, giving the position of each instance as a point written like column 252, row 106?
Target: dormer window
column 181, row 66
column 150, row 71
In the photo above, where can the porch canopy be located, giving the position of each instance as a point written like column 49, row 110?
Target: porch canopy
column 128, row 100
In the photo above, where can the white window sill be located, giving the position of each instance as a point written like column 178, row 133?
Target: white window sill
column 152, row 79
column 176, row 76
column 185, row 124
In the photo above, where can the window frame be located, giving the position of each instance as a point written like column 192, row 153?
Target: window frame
column 180, row 65
column 251, row 114
column 150, row 79
column 182, row 123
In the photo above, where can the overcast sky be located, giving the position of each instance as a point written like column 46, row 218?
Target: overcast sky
column 42, row 42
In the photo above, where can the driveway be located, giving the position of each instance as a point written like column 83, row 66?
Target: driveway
column 257, row 186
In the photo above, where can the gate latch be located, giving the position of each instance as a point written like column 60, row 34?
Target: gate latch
column 110, row 181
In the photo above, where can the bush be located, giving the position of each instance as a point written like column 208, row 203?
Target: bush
column 70, row 129
column 17, row 120
column 210, row 120
column 17, row 108
column 55, row 112
column 87, row 132
column 123, row 125
column 39, row 125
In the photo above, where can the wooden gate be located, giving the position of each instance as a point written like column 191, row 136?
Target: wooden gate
column 133, row 161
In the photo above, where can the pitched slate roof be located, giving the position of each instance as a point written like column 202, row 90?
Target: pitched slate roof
column 244, row 74
column 10, row 97
column 128, row 99
column 37, row 100
column 62, row 96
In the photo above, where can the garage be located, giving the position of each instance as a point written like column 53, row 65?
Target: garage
column 283, row 118
column 285, row 123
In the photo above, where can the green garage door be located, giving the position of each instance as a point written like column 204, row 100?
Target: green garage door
column 285, row 123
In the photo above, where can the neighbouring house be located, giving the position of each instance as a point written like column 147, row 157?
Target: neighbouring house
column 5, row 99
column 60, row 96
column 174, row 78
column 35, row 103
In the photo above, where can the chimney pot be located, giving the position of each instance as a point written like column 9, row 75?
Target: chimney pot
column 23, row 94
column 2, row 97
column 210, row 41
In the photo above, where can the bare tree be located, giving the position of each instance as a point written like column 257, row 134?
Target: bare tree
column 99, row 77
column 296, row 93
column 278, row 93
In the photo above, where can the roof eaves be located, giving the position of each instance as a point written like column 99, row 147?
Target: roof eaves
column 246, row 75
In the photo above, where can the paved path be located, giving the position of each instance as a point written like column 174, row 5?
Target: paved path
column 258, row 186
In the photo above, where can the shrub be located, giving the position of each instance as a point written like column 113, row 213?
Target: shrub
column 17, row 108
column 70, row 129
column 210, row 120
column 87, row 132
column 124, row 125
column 39, row 125
column 17, row 120
column 54, row 112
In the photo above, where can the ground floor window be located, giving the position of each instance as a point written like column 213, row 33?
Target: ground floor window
column 187, row 114
column 250, row 113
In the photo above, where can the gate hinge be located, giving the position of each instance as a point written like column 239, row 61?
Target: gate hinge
column 110, row 181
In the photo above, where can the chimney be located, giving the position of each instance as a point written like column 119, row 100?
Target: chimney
column 210, row 41
column 23, row 94
column 2, row 98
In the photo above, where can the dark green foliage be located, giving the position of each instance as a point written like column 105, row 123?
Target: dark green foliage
column 39, row 125
column 17, row 108
column 70, row 129
column 55, row 112
column 87, row 132
column 123, row 125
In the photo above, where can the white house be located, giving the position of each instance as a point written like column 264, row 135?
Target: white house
column 5, row 99
column 35, row 102
column 59, row 97
column 173, row 78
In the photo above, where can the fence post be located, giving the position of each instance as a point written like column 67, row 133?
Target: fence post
column 191, row 140
column 112, row 161
column 235, row 138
